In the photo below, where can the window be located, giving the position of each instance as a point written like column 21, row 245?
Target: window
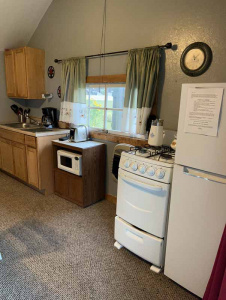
column 105, row 105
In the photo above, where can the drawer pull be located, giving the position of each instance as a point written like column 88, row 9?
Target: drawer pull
column 135, row 237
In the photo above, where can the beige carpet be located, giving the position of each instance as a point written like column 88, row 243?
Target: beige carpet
column 53, row 249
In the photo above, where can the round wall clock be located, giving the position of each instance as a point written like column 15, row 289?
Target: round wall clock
column 51, row 72
column 196, row 59
column 59, row 91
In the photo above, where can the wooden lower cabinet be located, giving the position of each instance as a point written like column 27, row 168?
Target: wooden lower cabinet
column 7, row 156
column 69, row 186
column 89, row 188
column 20, row 161
column 61, row 183
column 28, row 158
column 32, row 167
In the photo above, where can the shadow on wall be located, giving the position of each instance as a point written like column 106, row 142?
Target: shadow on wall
column 162, row 77
column 33, row 103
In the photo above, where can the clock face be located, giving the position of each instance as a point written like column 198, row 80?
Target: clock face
column 194, row 59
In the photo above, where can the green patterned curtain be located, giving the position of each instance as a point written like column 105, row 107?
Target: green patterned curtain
column 73, row 75
column 141, row 85
column 73, row 91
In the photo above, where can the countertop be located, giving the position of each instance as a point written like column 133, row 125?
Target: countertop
column 54, row 131
column 81, row 145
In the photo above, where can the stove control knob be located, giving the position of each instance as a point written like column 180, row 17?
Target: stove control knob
column 126, row 163
column 160, row 173
column 134, row 166
column 151, row 171
column 142, row 169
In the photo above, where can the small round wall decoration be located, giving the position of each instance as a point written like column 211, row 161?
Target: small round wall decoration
column 51, row 71
column 59, row 91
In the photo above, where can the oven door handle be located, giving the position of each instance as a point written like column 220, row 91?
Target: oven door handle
column 149, row 187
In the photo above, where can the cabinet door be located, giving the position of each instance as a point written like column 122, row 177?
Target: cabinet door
column 32, row 167
column 7, row 156
column 0, row 155
column 20, row 161
column 10, row 73
column 61, row 183
column 75, row 186
column 20, row 72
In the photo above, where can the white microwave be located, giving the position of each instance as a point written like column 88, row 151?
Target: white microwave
column 70, row 162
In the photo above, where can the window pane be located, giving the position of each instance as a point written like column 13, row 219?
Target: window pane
column 96, row 118
column 97, row 96
column 115, row 97
column 114, row 120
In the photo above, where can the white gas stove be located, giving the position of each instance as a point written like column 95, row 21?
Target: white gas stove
column 145, row 175
column 156, row 164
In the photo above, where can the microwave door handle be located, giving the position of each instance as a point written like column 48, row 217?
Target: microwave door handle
column 203, row 175
column 141, row 184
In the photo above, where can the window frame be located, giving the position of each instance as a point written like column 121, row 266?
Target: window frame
column 105, row 108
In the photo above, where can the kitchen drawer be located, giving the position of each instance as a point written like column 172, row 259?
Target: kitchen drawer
column 140, row 242
column 30, row 141
column 12, row 136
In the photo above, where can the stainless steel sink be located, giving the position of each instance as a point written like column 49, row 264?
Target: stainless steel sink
column 22, row 125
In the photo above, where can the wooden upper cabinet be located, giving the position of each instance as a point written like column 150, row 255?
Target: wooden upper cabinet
column 10, row 73
column 25, row 73
column 20, row 73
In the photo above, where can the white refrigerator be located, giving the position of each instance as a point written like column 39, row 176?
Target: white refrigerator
column 197, row 213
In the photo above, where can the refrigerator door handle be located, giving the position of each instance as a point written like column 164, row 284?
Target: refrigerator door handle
column 204, row 175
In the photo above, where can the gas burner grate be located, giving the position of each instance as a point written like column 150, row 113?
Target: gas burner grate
column 163, row 151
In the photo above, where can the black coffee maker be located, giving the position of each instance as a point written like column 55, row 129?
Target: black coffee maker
column 49, row 117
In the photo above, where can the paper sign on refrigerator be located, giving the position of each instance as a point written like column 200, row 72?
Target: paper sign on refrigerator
column 203, row 110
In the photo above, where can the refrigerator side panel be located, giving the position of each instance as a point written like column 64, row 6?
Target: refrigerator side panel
column 196, row 222
column 198, row 151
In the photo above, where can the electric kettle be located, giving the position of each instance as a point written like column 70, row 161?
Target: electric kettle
column 156, row 133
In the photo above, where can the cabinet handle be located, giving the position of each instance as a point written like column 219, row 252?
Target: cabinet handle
column 204, row 175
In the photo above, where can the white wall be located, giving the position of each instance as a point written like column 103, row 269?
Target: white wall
column 73, row 28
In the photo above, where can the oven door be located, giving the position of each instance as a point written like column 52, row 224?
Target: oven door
column 66, row 161
column 143, row 202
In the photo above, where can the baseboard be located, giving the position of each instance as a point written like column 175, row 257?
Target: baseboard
column 111, row 198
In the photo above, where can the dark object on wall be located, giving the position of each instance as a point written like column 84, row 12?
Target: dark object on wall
column 51, row 71
column 150, row 119
column 59, row 91
column 196, row 59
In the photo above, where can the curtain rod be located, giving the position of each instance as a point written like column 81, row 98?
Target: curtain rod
column 167, row 46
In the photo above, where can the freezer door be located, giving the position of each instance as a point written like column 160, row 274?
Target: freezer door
column 196, row 222
column 199, row 151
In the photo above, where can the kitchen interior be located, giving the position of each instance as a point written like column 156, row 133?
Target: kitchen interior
column 112, row 149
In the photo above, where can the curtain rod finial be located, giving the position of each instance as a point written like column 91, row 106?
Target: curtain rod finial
column 168, row 45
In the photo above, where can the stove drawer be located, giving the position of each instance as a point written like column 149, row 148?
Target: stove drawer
column 139, row 242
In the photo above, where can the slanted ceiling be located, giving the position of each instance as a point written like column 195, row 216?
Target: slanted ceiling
column 19, row 20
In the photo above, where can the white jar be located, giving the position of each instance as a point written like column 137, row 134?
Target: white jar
column 156, row 133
